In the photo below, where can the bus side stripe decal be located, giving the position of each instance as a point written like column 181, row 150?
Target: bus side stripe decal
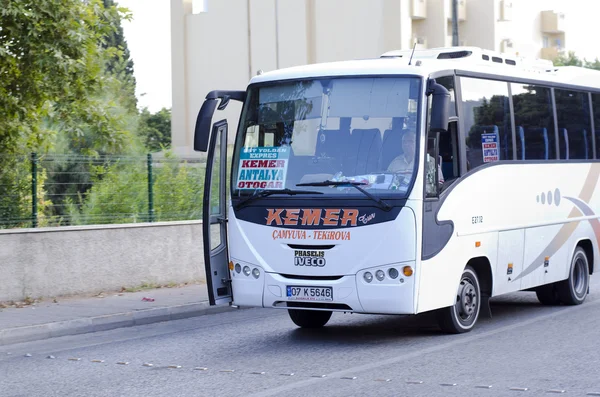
column 567, row 230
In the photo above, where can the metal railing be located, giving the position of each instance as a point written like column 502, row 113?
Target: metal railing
column 62, row 190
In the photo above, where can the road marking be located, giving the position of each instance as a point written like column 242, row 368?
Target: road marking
column 466, row 338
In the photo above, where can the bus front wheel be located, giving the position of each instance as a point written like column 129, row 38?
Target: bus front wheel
column 309, row 318
column 462, row 316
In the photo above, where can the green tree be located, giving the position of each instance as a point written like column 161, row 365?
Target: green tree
column 571, row 59
column 55, row 87
column 119, row 63
column 52, row 64
column 155, row 129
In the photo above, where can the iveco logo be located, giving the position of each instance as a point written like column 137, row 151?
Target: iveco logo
column 308, row 261
column 309, row 258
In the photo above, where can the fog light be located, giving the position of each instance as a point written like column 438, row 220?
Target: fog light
column 368, row 277
column 246, row 270
column 407, row 271
column 393, row 273
column 238, row 268
column 380, row 275
column 255, row 272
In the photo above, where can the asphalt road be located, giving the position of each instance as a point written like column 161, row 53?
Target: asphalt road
column 258, row 352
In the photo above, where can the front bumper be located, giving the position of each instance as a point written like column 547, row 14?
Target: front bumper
column 351, row 293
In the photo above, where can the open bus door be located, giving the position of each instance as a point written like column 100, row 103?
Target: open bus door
column 214, row 211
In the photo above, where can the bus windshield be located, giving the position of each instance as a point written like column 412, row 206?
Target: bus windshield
column 360, row 130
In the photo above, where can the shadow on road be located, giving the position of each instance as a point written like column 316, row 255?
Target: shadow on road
column 355, row 328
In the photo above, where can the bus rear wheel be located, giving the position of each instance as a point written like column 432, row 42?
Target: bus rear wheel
column 309, row 318
column 574, row 289
column 462, row 316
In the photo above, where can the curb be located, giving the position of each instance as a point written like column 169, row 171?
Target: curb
column 107, row 322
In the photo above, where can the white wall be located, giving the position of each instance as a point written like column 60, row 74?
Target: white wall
column 225, row 46
column 59, row 261
column 217, row 57
column 479, row 28
column 436, row 24
column 348, row 29
column 293, row 32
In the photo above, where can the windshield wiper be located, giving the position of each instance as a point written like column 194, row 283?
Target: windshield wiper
column 380, row 203
column 269, row 192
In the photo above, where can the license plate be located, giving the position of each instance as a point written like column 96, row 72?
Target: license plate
column 310, row 293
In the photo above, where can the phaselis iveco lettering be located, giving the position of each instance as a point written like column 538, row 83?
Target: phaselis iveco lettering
column 364, row 186
column 309, row 258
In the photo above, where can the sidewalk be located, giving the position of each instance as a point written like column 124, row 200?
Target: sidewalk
column 71, row 316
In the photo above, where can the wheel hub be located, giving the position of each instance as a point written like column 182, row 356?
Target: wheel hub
column 467, row 299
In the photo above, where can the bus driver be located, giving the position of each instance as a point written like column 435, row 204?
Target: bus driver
column 404, row 163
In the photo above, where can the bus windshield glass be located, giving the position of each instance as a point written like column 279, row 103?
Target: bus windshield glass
column 360, row 130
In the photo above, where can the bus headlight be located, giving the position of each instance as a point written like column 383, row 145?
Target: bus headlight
column 380, row 275
column 393, row 273
column 238, row 268
column 256, row 273
column 246, row 270
column 368, row 277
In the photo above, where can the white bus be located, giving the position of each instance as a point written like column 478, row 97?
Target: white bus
column 418, row 181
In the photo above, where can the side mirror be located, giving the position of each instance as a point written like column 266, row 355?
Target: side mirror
column 204, row 119
column 203, row 122
column 440, row 107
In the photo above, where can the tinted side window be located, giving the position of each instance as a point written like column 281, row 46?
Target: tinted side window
column 574, row 124
column 596, row 105
column 448, row 83
column 534, row 122
column 487, row 121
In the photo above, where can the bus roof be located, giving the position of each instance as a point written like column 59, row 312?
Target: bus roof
column 425, row 62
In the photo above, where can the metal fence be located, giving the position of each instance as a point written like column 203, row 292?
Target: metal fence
column 62, row 190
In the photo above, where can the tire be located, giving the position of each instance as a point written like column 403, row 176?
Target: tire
column 548, row 295
column 309, row 318
column 462, row 316
column 574, row 289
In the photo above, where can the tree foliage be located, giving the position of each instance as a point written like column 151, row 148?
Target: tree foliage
column 57, row 91
column 155, row 129
column 52, row 68
column 119, row 64
column 571, row 59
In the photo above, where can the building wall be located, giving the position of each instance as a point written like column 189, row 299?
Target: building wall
column 227, row 45
column 479, row 29
column 60, row 261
